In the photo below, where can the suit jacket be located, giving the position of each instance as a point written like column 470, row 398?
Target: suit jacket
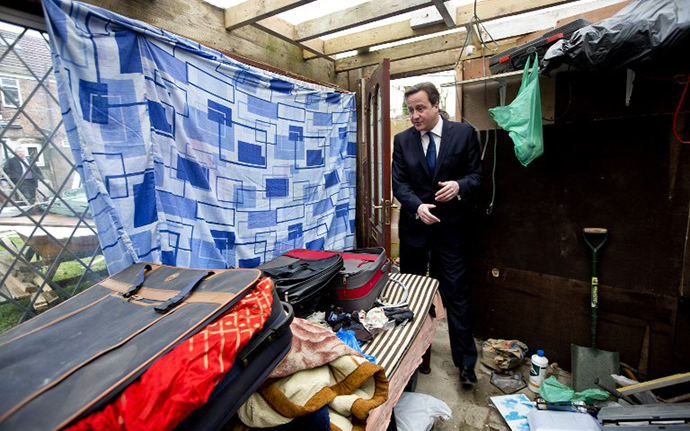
column 459, row 159
column 13, row 169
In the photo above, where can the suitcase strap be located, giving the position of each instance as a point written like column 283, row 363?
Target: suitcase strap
column 177, row 299
column 138, row 282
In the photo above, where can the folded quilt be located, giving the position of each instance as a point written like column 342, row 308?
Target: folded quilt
column 312, row 347
column 319, row 371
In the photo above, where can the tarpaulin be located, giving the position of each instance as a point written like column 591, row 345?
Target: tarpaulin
column 645, row 35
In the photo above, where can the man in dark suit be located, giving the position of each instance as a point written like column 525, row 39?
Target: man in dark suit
column 16, row 166
column 436, row 168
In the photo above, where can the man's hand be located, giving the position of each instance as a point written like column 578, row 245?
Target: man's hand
column 449, row 190
column 424, row 213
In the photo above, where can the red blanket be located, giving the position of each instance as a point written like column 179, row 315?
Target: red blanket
column 182, row 380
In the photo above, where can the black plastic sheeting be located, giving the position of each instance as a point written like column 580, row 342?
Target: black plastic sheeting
column 648, row 35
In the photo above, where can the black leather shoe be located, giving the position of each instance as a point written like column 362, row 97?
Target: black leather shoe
column 467, row 376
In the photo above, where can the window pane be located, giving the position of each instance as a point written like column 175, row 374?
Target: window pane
column 49, row 248
column 10, row 92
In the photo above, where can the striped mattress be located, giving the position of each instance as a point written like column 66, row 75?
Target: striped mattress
column 390, row 347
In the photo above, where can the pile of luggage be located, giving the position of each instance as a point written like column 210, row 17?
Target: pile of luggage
column 152, row 335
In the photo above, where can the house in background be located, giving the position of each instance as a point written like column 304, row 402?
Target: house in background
column 29, row 113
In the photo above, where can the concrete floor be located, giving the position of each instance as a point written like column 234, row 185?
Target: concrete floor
column 472, row 409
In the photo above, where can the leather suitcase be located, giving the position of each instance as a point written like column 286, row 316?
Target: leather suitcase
column 364, row 273
column 300, row 280
column 72, row 359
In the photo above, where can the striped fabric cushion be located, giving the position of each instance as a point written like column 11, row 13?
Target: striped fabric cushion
column 390, row 347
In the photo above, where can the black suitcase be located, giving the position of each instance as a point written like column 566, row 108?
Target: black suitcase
column 264, row 351
column 515, row 58
column 301, row 281
column 72, row 359
column 359, row 282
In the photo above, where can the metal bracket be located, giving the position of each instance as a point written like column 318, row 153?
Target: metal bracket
column 502, row 92
column 629, row 79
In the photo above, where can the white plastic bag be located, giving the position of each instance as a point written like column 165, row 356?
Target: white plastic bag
column 417, row 412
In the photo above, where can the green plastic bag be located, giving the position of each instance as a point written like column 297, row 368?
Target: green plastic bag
column 522, row 118
column 554, row 391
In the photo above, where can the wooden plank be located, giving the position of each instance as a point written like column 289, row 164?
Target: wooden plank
column 475, row 68
column 204, row 23
column 252, row 11
column 357, row 15
column 377, row 36
column 407, row 50
column 487, row 10
column 16, row 288
column 655, row 384
column 282, row 29
column 429, row 63
column 444, row 12
column 436, row 62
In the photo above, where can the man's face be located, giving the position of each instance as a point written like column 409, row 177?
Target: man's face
column 423, row 115
column 20, row 152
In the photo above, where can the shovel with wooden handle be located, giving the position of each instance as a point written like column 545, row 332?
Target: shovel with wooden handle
column 590, row 363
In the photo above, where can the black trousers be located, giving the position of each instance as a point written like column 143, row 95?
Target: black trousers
column 28, row 188
column 444, row 253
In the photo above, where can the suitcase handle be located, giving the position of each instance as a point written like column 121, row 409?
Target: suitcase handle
column 138, row 282
column 386, row 266
column 175, row 300
column 287, row 271
column 248, row 354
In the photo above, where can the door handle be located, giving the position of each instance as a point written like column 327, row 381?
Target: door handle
column 386, row 205
column 390, row 205
column 378, row 207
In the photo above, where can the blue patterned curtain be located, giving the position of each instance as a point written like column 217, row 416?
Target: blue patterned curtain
column 193, row 159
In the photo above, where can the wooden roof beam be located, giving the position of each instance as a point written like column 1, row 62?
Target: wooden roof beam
column 400, row 52
column 436, row 62
column 252, row 11
column 364, row 13
column 448, row 19
column 486, row 10
column 282, row 29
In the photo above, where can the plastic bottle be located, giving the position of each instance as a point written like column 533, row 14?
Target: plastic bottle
column 537, row 371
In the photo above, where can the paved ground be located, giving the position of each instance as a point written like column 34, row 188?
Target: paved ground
column 472, row 409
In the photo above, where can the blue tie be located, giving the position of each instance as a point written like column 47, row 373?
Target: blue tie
column 431, row 154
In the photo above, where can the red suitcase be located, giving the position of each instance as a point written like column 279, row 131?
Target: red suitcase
column 364, row 274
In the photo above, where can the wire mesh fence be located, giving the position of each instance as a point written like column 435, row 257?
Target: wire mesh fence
column 49, row 248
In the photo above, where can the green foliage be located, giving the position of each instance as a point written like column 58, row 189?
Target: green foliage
column 70, row 270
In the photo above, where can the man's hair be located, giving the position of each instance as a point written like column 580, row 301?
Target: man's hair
column 428, row 87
